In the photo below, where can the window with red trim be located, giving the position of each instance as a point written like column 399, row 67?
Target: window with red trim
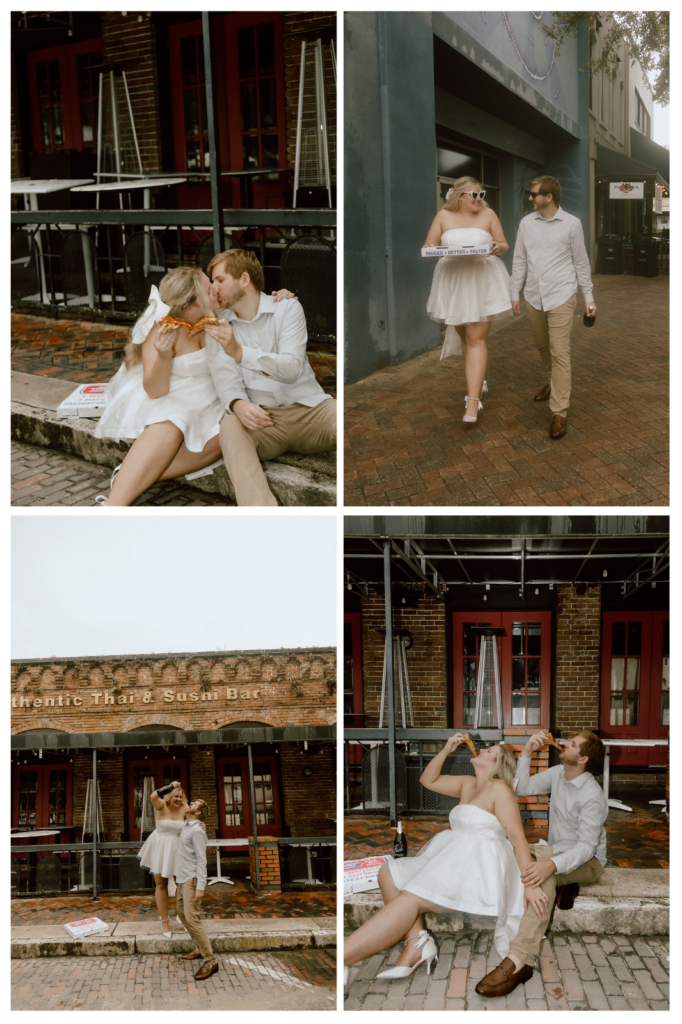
column 163, row 771
column 64, row 95
column 42, row 797
column 352, row 670
column 234, row 797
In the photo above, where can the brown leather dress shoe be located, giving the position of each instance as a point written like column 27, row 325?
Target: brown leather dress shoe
column 503, row 979
column 543, row 394
column 558, row 427
column 205, row 972
column 194, row 955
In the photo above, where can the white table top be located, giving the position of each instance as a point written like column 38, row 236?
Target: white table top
column 113, row 186
column 228, row 842
column 49, row 185
column 32, row 835
column 635, row 743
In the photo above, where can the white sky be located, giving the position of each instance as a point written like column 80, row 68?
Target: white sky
column 86, row 585
column 662, row 125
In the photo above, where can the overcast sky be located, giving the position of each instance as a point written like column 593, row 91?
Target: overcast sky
column 131, row 584
column 662, row 125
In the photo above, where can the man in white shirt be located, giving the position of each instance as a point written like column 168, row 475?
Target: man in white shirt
column 550, row 256
column 258, row 361
column 576, row 851
column 190, row 878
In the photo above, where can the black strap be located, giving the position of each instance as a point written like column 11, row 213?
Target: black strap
column 165, row 790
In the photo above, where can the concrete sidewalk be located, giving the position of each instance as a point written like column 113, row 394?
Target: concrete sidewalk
column 127, row 937
column 406, row 444
column 299, row 480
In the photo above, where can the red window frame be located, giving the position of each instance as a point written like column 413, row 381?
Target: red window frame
column 352, row 671
column 650, row 659
column 43, row 800
column 164, row 770
column 243, row 831
column 67, row 56
column 506, row 656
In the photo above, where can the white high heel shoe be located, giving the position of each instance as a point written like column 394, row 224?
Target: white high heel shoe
column 168, row 934
column 429, row 954
column 100, row 499
column 345, row 978
column 473, row 419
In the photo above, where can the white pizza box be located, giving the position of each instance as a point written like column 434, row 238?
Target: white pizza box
column 88, row 926
column 361, row 875
column 459, row 250
column 87, row 400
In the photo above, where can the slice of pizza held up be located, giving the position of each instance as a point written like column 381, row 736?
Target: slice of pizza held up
column 470, row 744
column 552, row 741
column 206, row 321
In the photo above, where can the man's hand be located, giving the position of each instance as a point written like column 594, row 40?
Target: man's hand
column 197, row 895
column 283, row 294
column 538, row 872
column 533, row 743
column 250, row 415
column 590, row 309
column 224, row 335
column 538, row 900
column 516, row 307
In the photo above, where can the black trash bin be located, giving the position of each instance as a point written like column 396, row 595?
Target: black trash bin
column 610, row 255
column 645, row 256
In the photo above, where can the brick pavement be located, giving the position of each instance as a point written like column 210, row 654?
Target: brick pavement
column 406, row 445
column 640, row 839
column 84, row 351
column 43, row 477
column 577, row 972
column 245, row 981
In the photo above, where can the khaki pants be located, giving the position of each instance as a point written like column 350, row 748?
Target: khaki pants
column 295, row 428
column 526, row 945
column 188, row 912
column 552, row 335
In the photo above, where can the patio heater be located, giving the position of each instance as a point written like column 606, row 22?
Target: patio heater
column 147, row 812
column 402, row 641
column 312, row 165
column 488, row 711
column 92, row 822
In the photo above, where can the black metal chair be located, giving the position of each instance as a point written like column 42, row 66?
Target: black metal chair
column 79, row 270
column 207, row 251
column 131, row 875
column 144, row 260
column 49, row 873
column 308, row 269
column 298, row 865
column 24, row 273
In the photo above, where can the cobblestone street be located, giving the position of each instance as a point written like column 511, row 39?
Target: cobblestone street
column 245, row 981
column 41, row 476
column 588, row 972
column 406, row 445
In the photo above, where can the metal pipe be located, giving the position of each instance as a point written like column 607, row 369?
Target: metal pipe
column 254, row 825
column 132, row 121
column 301, row 86
column 95, row 825
column 388, row 613
column 99, row 132
column 214, row 158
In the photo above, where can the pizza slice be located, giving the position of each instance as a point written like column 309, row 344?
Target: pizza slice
column 170, row 323
column 470, row 744
column 553, row 742
column 206, row 321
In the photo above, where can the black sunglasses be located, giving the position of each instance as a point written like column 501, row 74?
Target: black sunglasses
column 532, row 195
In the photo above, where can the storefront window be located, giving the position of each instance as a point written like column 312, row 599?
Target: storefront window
column 258, row 97
column 665, row 677
column 194, row 103
column 28, row 796
column 262, row 783
column 88, row 94
column 626, row 651
column 50, row 105
column 234, row 800
column 526, row 646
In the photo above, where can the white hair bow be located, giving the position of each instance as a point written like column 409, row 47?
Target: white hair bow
column 448, row 194
column 155, row 311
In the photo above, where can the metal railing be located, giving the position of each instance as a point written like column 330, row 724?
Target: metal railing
column 305, row 862
column 69, row 869
column 38, row 254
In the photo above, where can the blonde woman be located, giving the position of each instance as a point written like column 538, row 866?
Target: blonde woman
column 474, row 866
column 468, row 291
column 160, row 849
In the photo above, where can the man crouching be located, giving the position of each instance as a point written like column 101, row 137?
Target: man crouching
column 190, row 877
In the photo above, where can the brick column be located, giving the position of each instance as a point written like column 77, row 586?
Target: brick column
column 577, row 670
column 268, row 864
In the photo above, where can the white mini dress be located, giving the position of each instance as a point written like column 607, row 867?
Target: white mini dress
column 160, row 850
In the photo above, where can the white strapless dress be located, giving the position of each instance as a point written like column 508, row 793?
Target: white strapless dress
column 467, row 289
column 160, row 850
column 192, row 403
column 468, row 867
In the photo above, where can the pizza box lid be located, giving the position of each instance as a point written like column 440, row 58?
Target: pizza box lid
column 87, row 401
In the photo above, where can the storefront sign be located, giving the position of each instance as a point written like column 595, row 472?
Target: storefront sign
column 103, row 698
column 626, row 190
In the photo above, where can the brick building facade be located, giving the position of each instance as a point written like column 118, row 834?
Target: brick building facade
column 209, row 691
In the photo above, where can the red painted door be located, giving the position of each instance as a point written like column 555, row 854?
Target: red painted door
column 626, row 689
column 163, row 771
column 659, row 700
column 63, row 94
column 234, row 797
column 43, row 799
column 525, row 666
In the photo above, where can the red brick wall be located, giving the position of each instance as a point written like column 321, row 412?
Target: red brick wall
column 577, row 667
column 297, row 26
column 268, row 865
column 426, row 660
column 126, row 38
column 309, row 801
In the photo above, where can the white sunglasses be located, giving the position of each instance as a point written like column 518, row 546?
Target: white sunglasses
column 475, row 195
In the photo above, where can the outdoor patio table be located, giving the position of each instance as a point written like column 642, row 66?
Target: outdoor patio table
column 624, row 743
column 31, row 189
column 222, row 842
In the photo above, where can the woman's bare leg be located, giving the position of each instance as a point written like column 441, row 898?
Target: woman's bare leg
column 161, row 897
column 389, row 892
column 382, row 931
column 189, row 462
column 146, row 462
column 475, row 361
